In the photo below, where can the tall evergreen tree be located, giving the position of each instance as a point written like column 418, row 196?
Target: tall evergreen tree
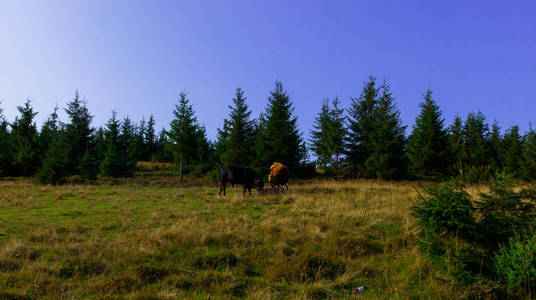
column 361, row 125
column 327, row 138
column 139, row 140
column 237, row 143
column 127, row 147
column 337, row 129
column 184, row 135
column 116, row 162
column 5, row 147
column 476, row 147
column 496, row 148
column 78, row 132
column 529, row 155
column 376, row 140
column 26, row 158
column 512, row 151
column 428, row 149
column 150, row 139
column 456, row 142
column 278, row 138
column 320, row 136
column 49, row 131
column 54, row 168
column 388, row 160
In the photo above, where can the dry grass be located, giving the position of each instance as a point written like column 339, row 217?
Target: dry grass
column 320, row 240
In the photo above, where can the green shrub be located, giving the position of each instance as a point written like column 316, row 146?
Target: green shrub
column 447, row 211
column 515, row 264
column 505, row 212
column 465, row 239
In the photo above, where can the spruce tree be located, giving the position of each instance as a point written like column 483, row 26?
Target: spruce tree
column 428, row 143
column 496, row 147
column 376, row 139
column 78, row 132
column 25, row 141
column 54, row 168
column 476, row 147
column 320, row 136
column 529, row 155
column 113, row 164
column 183, row 135
column 361, row 125
column 49, row 131
column 139, row 140
column 512, row 151
column 236, row 139
column 222, row 142
column 278, row 137
column 337, row 133
column 127, row 147
column 150, row 139
column 456, row 143
column 5, row 147
column 388, row 159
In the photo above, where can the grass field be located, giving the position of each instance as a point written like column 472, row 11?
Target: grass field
column 135, row 240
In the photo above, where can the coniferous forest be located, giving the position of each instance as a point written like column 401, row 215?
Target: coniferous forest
column 364, row 140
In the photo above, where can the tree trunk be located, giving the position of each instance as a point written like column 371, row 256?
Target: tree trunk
column 180, row 169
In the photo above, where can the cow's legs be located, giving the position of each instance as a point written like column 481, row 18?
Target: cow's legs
column 244, row 190
column 222, row 188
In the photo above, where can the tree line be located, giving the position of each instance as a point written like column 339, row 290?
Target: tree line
column 367, row 140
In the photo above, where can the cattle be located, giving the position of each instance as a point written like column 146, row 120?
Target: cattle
column 237, row 175
column 279, row 176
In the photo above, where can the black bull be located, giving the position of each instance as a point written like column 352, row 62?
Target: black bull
column 237, row 175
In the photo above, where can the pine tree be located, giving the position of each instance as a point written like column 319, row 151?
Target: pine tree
column 78, row 132
column 476, row 147
column 278, row 138
column 116, row 162
column 100, row 145
column 127, row 147
column 496, row 148
column 49, row 131
column 512, row 151
column 163, row 148
column 150, row 139
column 5, row 147
column 388, row 160
column 222, row 141
column 456, row 142
column 529, row 155
column 53, row 169
column 361, row 125
column 237, row 138
column 183, row 135
column 337, row 133
column 428, row 143
column 376, row 141
column 139, row 141
column 25, row 141
column 320, row 136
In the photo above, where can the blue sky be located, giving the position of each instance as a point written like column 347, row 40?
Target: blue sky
column 136, row 56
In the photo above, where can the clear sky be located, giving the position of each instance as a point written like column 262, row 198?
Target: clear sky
column 136, row 56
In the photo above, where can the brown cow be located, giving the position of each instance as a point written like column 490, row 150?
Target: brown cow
column 279, row 175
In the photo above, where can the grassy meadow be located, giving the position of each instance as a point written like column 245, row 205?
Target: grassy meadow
column 149, row 238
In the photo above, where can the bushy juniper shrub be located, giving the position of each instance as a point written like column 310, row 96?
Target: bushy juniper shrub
column 466, row 239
